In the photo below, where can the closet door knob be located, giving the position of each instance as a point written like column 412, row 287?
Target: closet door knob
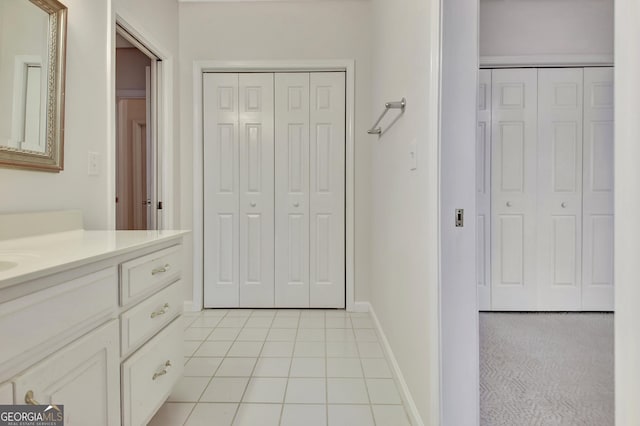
column 563, row 204
column 508, row 203
column 252, row 204
column 296, row 204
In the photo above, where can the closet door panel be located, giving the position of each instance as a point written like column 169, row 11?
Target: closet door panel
column 292, row 190
column 483, row 191
column 513, row 189
column 327, row 182
column 597, row 268
column 559, row 188
column 256, row 151
column 221, row 190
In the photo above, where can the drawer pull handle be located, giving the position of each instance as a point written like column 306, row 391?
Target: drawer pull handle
column 160, row 269
column 160, row 311
column 28, row 398
column 163, row 371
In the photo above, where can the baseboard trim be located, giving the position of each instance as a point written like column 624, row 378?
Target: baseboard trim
column 188, row 306
column 360, row 307
column 412, row 410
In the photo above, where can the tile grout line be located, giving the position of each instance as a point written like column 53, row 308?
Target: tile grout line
column 212, row 376
column 364, row 379
column 196, row 403
column 245, row 325
column 286, row 387
column 246, row 386
column 326, row 371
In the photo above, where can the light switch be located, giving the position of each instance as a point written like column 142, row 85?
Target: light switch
column 94, row 159
column 413, row 155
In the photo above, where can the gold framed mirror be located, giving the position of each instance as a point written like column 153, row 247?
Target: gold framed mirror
column 32, row 84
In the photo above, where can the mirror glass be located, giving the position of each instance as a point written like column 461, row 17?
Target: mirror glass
column 31, row 83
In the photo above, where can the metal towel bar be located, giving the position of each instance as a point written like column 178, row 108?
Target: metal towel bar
column 374, row 130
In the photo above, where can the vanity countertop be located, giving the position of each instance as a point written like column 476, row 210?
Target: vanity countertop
column 23, row 259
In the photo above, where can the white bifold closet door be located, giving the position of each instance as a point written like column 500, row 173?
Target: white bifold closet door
column 274, row 163
column 514, row 189
column 559, row 232
column 310, row 158
column 327, row 190
column 551, row 198
column 597, row 264
column 483, row 191
column 221, row 190
column 239, row 187
column 292, row 193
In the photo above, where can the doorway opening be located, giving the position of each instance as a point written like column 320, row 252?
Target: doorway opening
column 137, row 182
column 545, row 240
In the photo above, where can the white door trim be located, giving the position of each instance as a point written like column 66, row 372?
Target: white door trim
column 347, row 65
column 541, row 61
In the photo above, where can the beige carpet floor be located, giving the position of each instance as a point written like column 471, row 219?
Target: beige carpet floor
column 546, row 369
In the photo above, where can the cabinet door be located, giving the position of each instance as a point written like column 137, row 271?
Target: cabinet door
column 327, row 183
column 84, row 377
column 6, row 394
column 513, row 184
column 597, row 265
column 559, row 231
column 292, row 190
column 221, row 190
column 256, row 190
column 483, row 191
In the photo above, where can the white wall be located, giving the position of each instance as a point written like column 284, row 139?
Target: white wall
column 131, row 69
column 534, row 27
column 283, row 31
column 627, row 205
column 404, row 205
column 458, row 301
column 88, row 125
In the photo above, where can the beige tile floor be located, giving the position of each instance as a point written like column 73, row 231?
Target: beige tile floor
column 283, row 367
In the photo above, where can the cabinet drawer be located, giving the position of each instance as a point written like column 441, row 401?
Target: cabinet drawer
column 150, row 373
column 35, row 324
column 148, row 317
column 142, row 275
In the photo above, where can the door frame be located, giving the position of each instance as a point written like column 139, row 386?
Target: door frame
column 344, row 65
column 164, row 116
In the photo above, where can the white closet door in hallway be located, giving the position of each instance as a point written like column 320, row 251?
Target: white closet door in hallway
column 513, row 189
column 597, row 264
column 483, row 191
column 283, row 244
column 559, row 185
column 551, row 181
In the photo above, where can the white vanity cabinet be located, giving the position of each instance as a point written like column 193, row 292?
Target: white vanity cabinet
column 95, row 326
